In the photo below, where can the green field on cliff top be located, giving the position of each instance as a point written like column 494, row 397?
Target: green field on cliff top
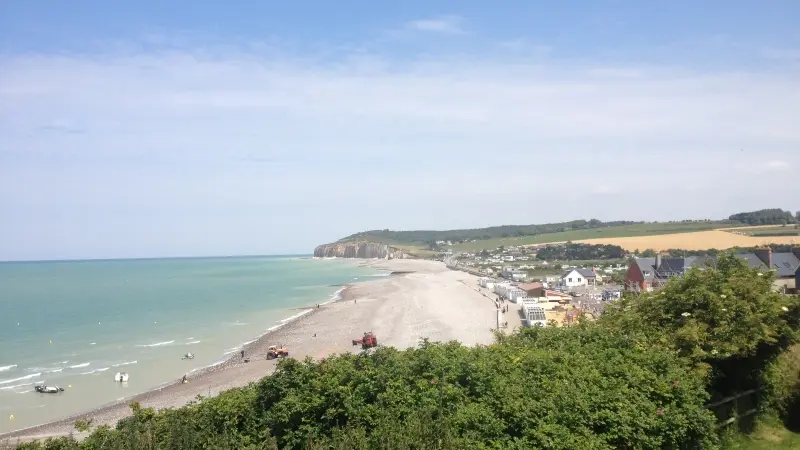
column 516, row 235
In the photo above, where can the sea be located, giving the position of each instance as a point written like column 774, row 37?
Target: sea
column 76, row 324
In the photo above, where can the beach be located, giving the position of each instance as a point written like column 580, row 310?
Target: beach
column 421, row 299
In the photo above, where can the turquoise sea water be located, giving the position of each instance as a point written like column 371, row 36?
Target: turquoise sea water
column 76, row 324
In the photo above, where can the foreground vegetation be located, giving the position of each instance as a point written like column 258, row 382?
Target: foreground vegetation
column 637, row 378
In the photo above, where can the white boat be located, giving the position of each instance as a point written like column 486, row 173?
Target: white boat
column 121, row 377
column 42, row 389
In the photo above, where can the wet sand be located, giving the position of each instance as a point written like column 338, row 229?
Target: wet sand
column 427, row 301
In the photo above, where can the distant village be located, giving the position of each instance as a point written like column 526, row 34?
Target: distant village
column 519, row 275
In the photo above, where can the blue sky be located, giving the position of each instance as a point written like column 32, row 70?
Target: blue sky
column 147, row 129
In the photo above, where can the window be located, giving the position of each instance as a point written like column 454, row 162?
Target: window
column 579, row 280
column 569, row 280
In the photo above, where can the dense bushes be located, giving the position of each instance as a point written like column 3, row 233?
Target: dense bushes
column 540, row 388
column 728, row 323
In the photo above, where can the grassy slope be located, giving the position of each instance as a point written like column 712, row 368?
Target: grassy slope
column 645, row 229
column 776, row 230
column 768, row 435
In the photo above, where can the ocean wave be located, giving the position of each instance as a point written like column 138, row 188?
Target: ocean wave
column 26, row 377
column 6, row 388
column 157, row 344
column 189, row 338
column 335, row 297
column 296, row 316
column 208, row 366
column 5, row 368
column 102, row 369
column 78, row 366
column 232, row 350
column 192, row 342
column 125, row 363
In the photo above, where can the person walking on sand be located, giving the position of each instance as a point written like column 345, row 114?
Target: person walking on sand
column 183, row 380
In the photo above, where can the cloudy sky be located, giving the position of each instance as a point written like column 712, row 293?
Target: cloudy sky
column 263, row 128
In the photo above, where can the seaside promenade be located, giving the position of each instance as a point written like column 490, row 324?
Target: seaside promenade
column 431, row 301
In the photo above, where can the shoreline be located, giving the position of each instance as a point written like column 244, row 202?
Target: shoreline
column 402, row 307
column 229, row 361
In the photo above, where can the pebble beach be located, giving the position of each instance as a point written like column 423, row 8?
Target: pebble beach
column 422, row 299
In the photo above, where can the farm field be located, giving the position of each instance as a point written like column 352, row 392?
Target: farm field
column 642, row 229
column 768, row 230
column 701, row 240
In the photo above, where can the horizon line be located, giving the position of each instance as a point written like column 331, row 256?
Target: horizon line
column 149, row 258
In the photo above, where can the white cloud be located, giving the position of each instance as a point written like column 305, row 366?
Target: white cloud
column 449, row 24
column 311, row 150
column 776, row 166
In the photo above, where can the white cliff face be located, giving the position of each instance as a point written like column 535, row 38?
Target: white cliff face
column 366, row 250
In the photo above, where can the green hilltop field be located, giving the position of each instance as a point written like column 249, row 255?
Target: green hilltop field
column 476, row 239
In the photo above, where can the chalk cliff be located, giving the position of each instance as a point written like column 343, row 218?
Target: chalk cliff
column 367, row 250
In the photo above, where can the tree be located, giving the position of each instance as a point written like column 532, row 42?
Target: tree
column 725, row 321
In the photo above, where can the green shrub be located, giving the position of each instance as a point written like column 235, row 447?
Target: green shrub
column 726, row 322
column 581, row 387
column 782, row 381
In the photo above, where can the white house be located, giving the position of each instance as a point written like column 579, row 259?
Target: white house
column 579, row 277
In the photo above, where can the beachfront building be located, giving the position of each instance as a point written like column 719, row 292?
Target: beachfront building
column 487, row 283
column 533, row 315
column 579, row 277
column 648, row 274
column 509, row 292
column 533, row 290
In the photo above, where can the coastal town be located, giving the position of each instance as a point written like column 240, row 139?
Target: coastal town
column 555, row 292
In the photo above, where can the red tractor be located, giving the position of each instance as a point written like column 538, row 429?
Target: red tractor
column 368, row 341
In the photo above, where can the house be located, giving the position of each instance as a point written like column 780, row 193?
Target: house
column 580, row 277
column 785, row 265
column 797, row 279
column 647, row 274
column 533, row 290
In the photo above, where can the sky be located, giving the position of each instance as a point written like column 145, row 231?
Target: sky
column 189, row 128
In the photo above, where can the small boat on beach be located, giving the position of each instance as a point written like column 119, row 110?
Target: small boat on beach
column 121, row 377
column 42, row 389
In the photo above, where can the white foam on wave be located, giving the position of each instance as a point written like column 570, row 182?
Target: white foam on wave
column 157, row 344
column 26, row 377
column 296, row 316
column 192, row 342
column 78, row 366
column 335, row 297
column 102, row 369
column 6, row 388
column 125, row 363
column 5, row 368
column 379, row 275
column 189, row 338
column 207, row 367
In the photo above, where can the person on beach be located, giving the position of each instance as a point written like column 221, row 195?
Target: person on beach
column 183, row 380
column 242, row 354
